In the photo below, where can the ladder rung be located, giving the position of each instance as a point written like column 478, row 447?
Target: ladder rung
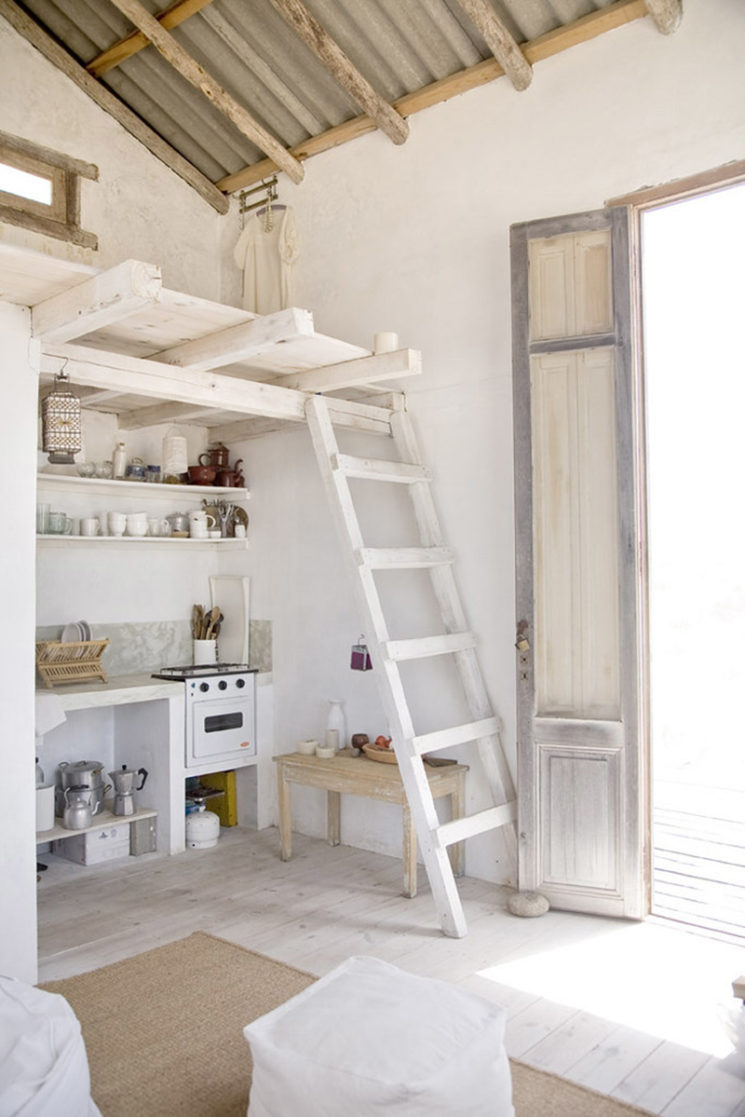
column 457, row 735
column 479, row 823
column 403, row 558
column 374, row 469
column 424, row 646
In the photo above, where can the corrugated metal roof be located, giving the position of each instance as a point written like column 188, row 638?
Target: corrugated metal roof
column 400, row 46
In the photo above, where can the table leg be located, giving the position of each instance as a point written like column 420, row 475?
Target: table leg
column 409, row 854
column 333, row 817
column 457, row 852
column 285, row 815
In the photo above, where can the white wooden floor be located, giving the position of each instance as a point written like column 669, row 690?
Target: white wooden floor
column 643, row 1012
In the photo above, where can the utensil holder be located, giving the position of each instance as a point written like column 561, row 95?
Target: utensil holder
column 205, row 651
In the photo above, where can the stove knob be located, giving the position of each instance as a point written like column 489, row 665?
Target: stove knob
column 204, row 686
column 240, row 683
column 222, row 685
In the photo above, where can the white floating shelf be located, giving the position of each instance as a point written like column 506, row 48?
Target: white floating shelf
column 67, row 482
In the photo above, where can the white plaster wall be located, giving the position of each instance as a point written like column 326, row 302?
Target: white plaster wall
column 138, row 208
column 416, row 239
column 18, row 380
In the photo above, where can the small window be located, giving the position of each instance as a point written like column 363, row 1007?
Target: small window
column 40, row 190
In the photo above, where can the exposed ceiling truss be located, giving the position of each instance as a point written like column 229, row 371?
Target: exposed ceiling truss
column 239, row 91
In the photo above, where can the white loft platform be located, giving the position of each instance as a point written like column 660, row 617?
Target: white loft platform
column 151, row 355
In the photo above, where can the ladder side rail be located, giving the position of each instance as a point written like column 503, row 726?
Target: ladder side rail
column 496, row 769
column 395, row 707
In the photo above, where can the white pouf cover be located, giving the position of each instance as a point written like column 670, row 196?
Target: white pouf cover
column 370, row 1038
column 43, row 1062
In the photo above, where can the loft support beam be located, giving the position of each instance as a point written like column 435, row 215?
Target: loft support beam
column 54, row 53
column 307, row 27
column 666, row 14
column 96, row 302
column 357, row 373
column 134, row 43
column 499, row 41
column 537, row 50
column 239, row 343
column 197, row 76
column 210, row 390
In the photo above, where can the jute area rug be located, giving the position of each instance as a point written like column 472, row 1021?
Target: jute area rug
column 164, row 1035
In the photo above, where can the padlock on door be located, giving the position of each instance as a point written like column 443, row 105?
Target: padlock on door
column 360, row 660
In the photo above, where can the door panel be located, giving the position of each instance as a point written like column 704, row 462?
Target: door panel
column 580, row 812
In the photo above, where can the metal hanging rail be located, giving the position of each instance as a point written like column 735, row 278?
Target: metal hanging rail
column 269, row 188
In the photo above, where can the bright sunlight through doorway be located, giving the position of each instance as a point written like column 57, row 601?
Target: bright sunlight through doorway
column 694, row 302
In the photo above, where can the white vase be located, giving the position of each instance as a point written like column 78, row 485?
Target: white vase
column 337, row 722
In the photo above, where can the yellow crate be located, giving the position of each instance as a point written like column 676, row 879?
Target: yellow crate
column 226, row 808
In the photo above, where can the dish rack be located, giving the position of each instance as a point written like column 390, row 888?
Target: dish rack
column 60, row 662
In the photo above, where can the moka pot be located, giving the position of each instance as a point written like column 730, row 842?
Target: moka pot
column 124, row 788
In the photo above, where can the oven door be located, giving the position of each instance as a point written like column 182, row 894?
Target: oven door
column 221, row 730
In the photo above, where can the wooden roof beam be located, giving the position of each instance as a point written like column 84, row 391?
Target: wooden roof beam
column 666, row 14
column 499, row 41
column 383, row 115
column 96, row 302
column 545, row 46
column 132, row 44
column 241, row 342
column 190, row 69
column 105, row 99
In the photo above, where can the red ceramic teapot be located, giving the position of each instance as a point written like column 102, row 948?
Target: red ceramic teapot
column 217, row 456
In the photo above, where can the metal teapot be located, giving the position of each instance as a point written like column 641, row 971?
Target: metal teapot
column 78, row 813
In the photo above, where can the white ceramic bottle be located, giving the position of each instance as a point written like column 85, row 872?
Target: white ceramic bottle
column 336, row 724
column 119, row 461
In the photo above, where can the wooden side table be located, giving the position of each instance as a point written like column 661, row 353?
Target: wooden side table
column 372, row 780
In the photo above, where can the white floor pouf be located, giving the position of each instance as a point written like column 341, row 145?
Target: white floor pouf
column 370, row 1038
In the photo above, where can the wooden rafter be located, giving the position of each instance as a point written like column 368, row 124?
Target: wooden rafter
column 130, row 45
column 156, row 145
column 666, row 14
column 500, row 41
column 380, row 112
column 545, row 46
column 197, row 76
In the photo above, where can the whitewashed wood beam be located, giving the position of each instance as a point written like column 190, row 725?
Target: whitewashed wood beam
column 197, row 76
column 155, row 380
column 105, row 99
column 164, row 413
column 666, row 14
column 342, row 70
column 241, row 342
column 132, row 44
column 96, row 302
column 500, row 41
column 357, row 373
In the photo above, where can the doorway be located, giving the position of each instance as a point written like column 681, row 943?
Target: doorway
column 694, row 383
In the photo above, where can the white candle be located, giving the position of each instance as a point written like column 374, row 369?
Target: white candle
column 332, row 738
column 385, row 342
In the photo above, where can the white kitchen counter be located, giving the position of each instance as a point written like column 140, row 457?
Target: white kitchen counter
column 120, row 689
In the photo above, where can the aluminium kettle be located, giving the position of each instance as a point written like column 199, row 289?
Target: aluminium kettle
column 78, row 813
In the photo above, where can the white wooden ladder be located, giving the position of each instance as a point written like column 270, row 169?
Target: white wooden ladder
column 455, row 641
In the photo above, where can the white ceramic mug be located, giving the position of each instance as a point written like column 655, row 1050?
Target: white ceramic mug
column 89, row 526
column 200, row 517
column 198, row 530
column 156, row 526
column 117, row 523
column 137, row 523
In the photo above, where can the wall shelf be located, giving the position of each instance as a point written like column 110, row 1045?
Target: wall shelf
column 63, row 482
column 55, row 540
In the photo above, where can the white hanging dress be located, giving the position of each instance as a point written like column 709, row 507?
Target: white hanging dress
column 266, row 256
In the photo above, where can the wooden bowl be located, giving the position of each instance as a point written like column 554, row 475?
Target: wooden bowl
column 384, row 756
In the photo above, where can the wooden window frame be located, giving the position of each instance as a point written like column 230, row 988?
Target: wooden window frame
column 61, row 218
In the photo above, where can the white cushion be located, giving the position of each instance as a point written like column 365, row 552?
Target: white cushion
column 43, row 1063
column 370, row 1038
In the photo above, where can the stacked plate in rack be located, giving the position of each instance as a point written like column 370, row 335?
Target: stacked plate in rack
column 75, row 632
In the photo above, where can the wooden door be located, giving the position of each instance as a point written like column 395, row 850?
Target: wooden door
column 580, row 801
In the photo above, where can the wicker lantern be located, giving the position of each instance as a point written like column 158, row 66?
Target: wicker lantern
column 62, row 436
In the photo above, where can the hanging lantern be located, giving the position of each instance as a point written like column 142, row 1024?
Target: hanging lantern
column 62, row 436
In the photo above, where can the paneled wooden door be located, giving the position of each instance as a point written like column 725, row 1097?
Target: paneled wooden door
column 581, row 815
